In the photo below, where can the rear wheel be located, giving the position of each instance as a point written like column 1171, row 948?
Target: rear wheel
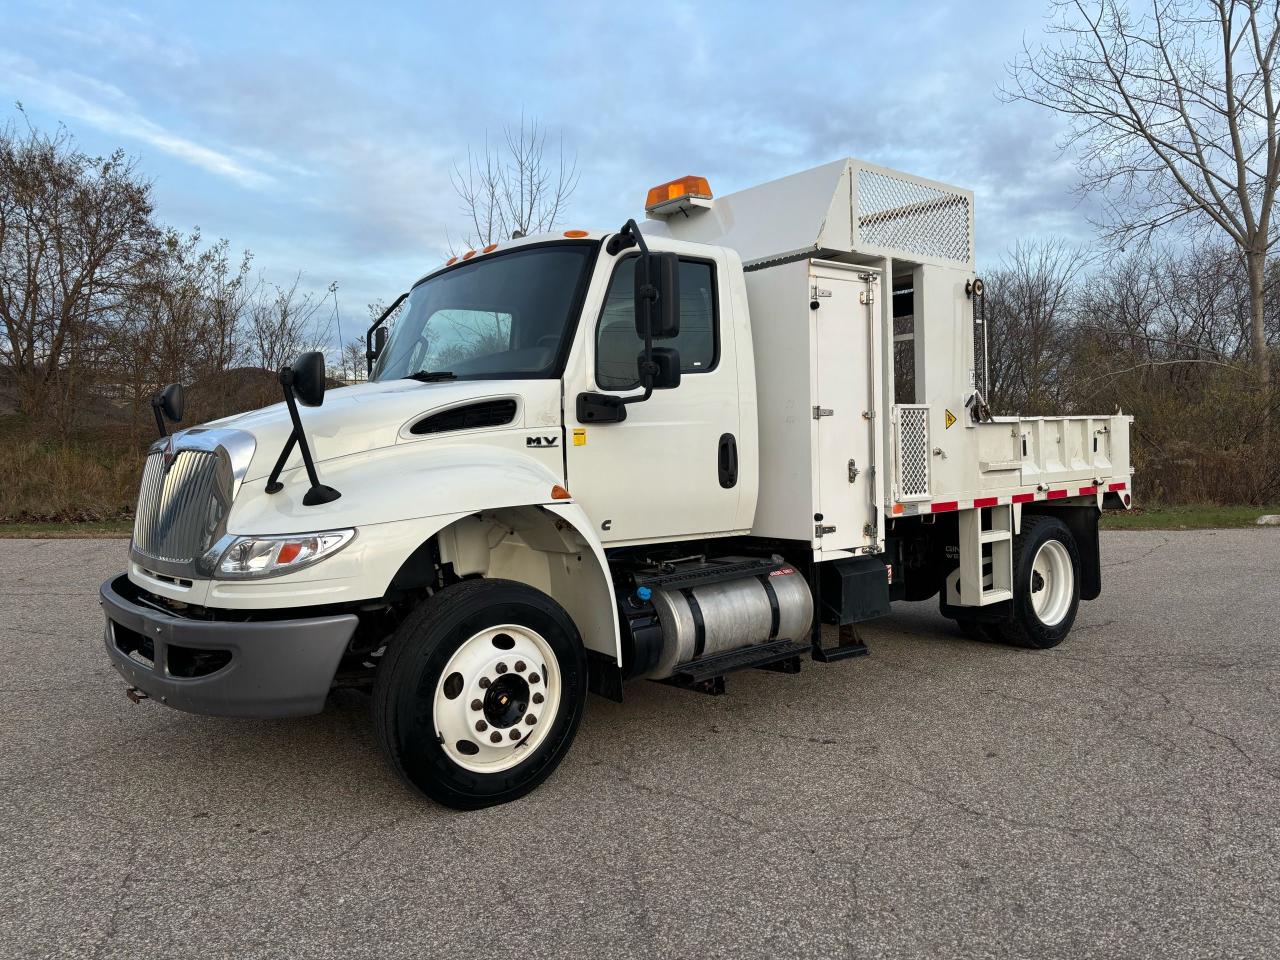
column 1046, row 585
column 480, row 693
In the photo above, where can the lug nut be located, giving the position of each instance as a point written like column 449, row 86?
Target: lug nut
column 515, row 734
column 496, row 737
column 481, row 726
column 520, row 665
column 537, row 698
column 531, row 719
column 533, row 678
column 501, row 668
column 477, row 704
column 484, row 682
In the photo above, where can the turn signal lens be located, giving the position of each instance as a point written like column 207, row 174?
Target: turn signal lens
column 675, row 189
column 249, row 557
column 559, row 493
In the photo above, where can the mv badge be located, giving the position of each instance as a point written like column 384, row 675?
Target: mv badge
column 541, row 441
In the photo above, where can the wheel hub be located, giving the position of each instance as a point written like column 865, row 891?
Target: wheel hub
column 1052, row 583
column 497, row 698
column 506, row 701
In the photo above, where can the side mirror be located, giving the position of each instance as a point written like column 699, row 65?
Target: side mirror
column 379, row 343
column 306, row 374
column 172, row 402
column 657, row 294
column 665, row 371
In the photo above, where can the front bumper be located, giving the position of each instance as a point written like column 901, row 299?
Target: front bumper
column 255, row 668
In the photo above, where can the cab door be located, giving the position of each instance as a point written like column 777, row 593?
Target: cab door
column 670, row 469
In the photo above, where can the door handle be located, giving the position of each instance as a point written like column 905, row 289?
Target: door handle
column 728, row 461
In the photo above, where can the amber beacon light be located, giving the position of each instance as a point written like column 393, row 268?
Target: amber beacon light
column 686, row 188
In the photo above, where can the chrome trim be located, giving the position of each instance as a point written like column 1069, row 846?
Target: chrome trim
column 239, row 446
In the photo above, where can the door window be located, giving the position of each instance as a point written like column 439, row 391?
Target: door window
column 618, row 345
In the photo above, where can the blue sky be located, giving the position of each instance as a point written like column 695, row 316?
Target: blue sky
column 320, row 136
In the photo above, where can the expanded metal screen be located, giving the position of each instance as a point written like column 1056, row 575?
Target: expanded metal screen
column 912, row 217
column 913, row 452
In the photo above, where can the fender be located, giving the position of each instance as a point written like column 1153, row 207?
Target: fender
column 442, row 486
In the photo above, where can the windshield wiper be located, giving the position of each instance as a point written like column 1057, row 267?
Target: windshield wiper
column 432, row 376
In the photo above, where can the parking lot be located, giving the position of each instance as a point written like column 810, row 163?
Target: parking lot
column 1113, row 797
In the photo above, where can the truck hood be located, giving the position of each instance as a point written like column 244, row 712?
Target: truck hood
column 367, row 416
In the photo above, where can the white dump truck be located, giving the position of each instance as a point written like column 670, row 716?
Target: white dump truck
column 667, row 452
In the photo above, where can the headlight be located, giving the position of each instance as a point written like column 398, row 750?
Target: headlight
column 249, row 557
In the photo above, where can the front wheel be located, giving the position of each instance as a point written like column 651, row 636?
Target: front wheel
column 480, row 693
column 1046, row 585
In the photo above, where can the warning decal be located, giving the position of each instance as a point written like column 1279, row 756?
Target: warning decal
column 950, row 418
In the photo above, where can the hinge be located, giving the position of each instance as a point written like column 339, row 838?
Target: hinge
column 820, row 531
column 819, row 412
column 867, row 297
column 853, row 470
column 869, row 530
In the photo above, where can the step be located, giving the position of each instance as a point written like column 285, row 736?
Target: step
column 757, row 656
column 995, row 536
column 996, row 596
column 698, row 574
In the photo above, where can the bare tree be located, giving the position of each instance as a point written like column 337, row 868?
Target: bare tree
column 74, row 230
column 514, row 188
column 282, row 323
column 1030, row 312
column 1174, row 112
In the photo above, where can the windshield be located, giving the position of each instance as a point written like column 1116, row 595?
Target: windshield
column 503, row 316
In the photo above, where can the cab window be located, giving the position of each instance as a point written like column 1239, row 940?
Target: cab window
column 618, row 345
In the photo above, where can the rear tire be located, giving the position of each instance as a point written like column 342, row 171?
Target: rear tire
column 1046, row 585
column 480, row 693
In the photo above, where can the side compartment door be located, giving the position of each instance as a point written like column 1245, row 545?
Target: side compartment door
column 845, row 404
column 670, row 469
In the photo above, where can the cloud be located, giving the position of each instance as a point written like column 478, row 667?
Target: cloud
column 109, row 109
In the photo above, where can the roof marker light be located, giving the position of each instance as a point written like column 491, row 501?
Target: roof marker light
column 490, row 248
column 468, row 255
column 575, row 234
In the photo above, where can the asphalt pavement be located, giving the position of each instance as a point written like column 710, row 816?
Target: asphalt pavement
column 1114, row 797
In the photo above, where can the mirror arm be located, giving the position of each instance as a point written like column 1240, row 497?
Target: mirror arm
column 155, row 408
column 369, row 353
column 318, row 493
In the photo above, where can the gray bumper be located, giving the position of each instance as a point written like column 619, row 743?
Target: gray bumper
column 260, row 668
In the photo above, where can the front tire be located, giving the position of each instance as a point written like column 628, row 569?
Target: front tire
column 480, row 693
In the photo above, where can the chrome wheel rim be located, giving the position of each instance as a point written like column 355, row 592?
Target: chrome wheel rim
column 1052, row 583
column 496, row 698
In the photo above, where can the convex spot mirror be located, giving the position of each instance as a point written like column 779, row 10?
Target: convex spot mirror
column 666, row 368
column 306, row 374
column 172, row 402
column 657, row 293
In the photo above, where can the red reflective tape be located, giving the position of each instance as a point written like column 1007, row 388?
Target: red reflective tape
column 986, row 502
column 1056, row 494
column 1023, row 497
column 1116, row 486
column 945, row 506
column 1085, row 491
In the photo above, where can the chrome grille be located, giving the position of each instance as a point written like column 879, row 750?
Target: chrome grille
column 181, row 509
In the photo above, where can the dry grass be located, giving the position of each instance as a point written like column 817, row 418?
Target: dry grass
column 86, row 479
